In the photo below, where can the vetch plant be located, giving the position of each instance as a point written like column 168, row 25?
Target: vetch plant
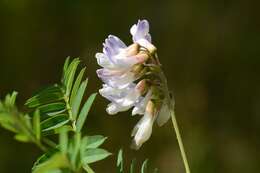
column 57, row 111
column 133, row 77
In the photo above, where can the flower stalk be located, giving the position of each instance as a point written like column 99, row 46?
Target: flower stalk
column 174, row 121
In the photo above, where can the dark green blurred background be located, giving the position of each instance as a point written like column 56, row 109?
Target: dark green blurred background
column 210, row 53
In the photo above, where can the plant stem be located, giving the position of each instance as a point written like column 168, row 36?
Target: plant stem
column 179, row 139
column 68, row 107
column 174, row 121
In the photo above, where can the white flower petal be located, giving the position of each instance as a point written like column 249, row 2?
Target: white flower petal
column 113, row 108
column 116, row 79
column 164, row 114
column 142, row 131
column 140, row 31
column 141, row 105
column 103, row 61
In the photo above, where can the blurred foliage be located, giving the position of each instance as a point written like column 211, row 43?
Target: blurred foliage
column 210, row 53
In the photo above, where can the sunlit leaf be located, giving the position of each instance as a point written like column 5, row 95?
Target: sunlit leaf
column 76, row 85
column 22, row 138
column 84, row 112
column 52, row 108
column 94, row 155
column 58, row 160
column 92, row 141
column 77, row 101
column 54, row 122
column 70, row 74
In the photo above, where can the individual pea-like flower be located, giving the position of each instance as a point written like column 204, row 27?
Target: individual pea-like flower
column 132, row 80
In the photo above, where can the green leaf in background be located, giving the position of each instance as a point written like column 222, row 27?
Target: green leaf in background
column 77, row 100
column 84, row 112
column 132, row 167
column 54, row 122
column 36, row 124
column 120, row 161
column 87, row 168
column 45, row 157
column 93, row 155
column 45, row 96
column 63, row 137
column 22, row 138
column 57, row 161
column 76, row 150
column 144, row 166
column 52, row 109
column 92, row 141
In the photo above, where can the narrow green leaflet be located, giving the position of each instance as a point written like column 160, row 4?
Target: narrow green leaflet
column 87, row 168
column 45, row 96
column 92, row 141
column 65, row 67
column 52, row 108
column 54, row 122
column 93, row 155
column 76, row 85
column 144, row 167
column 45, row 157
column 77, row 100
column 69, row 75
column 22, row 138
column 132, row 167
column 120, row 161
column 84, row 112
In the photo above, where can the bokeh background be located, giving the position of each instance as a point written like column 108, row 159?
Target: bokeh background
column 209, row 51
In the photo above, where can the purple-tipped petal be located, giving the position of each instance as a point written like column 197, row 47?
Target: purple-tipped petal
column 140, row 31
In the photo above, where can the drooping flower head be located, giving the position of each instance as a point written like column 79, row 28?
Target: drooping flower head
column 130, row 76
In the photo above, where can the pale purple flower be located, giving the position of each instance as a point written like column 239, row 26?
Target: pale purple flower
column 126, row 87
column 141, row 35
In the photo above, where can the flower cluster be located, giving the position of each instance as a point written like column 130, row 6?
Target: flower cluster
column 130, row 74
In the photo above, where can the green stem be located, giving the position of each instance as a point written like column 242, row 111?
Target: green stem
column 179, row 139
column 174, row 121
column 68, row 107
